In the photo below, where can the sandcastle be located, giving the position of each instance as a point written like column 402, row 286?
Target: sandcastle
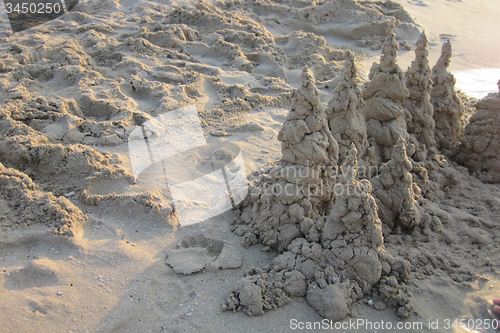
column 384, row 96
column 448, row 107
column 480, row 148
column 340, row 266
column 332, row 247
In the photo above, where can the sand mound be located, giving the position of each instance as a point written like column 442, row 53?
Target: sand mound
column 23, row 205
column 336, row 266
column 59, row 168
column 356, row 20
column 480, row 148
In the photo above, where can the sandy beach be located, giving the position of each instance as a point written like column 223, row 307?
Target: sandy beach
column 142, row 145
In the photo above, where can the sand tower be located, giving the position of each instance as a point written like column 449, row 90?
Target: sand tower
column 448, row 108
column 394, row 191
column 418, row 82
column 384, row 95
column 345, row 120
column 280, row 206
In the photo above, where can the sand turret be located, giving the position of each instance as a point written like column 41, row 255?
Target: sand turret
column 355, row 213
column 346, row 122
column 305, row 137
column 418, row 82
column 300, row 186
column 384, row 95
column 395, row 191
column 448, row 108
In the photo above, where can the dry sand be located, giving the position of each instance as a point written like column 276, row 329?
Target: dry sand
column 85, row 247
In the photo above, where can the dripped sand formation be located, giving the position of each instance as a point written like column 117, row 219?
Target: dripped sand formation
column 333, row 252
column 300, row 186
column 335, row 267
column 418, row 83
column 345, row 120
column 480, row 148
column 448, row 107
column 352, row 230
column 384, row 96
column 395, row 191
column 305, row 138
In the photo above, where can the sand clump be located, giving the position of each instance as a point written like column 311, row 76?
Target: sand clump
column 480, row 149
column 197, row 253
column 448, row 107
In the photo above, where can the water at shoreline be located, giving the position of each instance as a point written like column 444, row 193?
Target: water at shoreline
column 478, row 82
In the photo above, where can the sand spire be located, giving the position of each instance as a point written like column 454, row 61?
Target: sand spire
column 394, row 191
column 384, row 95
column 280, row 206
column 418, row 82
column 305, row 137
column 346, row 122
column 448, row 108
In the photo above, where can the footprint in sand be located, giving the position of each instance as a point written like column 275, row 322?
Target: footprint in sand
column 197, row 253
